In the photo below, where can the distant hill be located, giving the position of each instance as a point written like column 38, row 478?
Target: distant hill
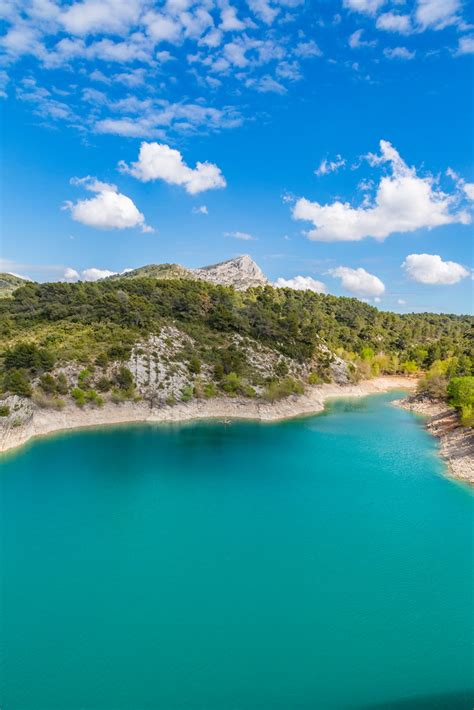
column 9, row 283
column 157, row 271
column 241, row 272
column 167, row 340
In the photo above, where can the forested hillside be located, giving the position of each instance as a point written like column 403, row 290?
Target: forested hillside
column 264, row 341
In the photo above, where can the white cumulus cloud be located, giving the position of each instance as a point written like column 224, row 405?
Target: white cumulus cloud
column 403, row 202
column 97, row 16
column 71, row 274
column 158, row 161
column 202, row 209
column 109, row 209
column 359, row 281
column 431, row 269
column 301, row 283
column 90, row 274
column 94, row 274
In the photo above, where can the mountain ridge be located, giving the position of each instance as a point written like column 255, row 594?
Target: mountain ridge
column 242, row 272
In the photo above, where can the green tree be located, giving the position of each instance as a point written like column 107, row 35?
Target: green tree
column 434, row 386
column 17, row 382
column 28, row 356
column 461, row 396
column 409, row 367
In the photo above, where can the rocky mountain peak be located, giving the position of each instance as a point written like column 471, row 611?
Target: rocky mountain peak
column 241, row 272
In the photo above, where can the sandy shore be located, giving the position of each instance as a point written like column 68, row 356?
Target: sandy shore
column 32, row 422
column 456, row 443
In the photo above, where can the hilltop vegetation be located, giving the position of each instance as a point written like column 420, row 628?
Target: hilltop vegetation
column 180, row 338
column 157, row 271
column 9, row 283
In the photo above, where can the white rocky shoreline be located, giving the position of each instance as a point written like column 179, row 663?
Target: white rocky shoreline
column 456, row 442
column 456, row 447
column 34, row 422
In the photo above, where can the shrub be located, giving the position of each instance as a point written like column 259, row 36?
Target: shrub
column 434, row 386
column 232, row 360
column 249, row 391
column 79, row 396
column 4, row 410
column 17, row 382
column 364, row 369
column 28, row 356
column 46, row 401
column 219, row 371
column 385, row 364
column 84, row 379
column 209, row 390
column 461, row 396
column 314, row 379
column 231, row 383
column 187, row 394
column 119, row 352
column 198, row 388
column 124, row 378
column 409, row 367
column 194, row 366
column 281, row 368
column 103, row 384
column 89, row 396
column 283, row 388
column 62, row 386
column 102, row 360
column 94, row 398
column 48, row 384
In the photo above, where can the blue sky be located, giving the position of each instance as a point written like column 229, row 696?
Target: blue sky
column 331, row 141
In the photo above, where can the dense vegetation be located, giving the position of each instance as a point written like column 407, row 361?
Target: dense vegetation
column 451, row 380
column 97, row 323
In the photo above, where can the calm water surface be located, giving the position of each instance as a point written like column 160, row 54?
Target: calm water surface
column 319, row 563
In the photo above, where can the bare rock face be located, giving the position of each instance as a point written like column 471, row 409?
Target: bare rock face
column 241, row 272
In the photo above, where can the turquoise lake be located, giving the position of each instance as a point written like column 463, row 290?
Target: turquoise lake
column 313, row 564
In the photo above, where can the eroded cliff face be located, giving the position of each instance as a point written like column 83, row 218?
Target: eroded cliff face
column 161, row 370
column 241, row 272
